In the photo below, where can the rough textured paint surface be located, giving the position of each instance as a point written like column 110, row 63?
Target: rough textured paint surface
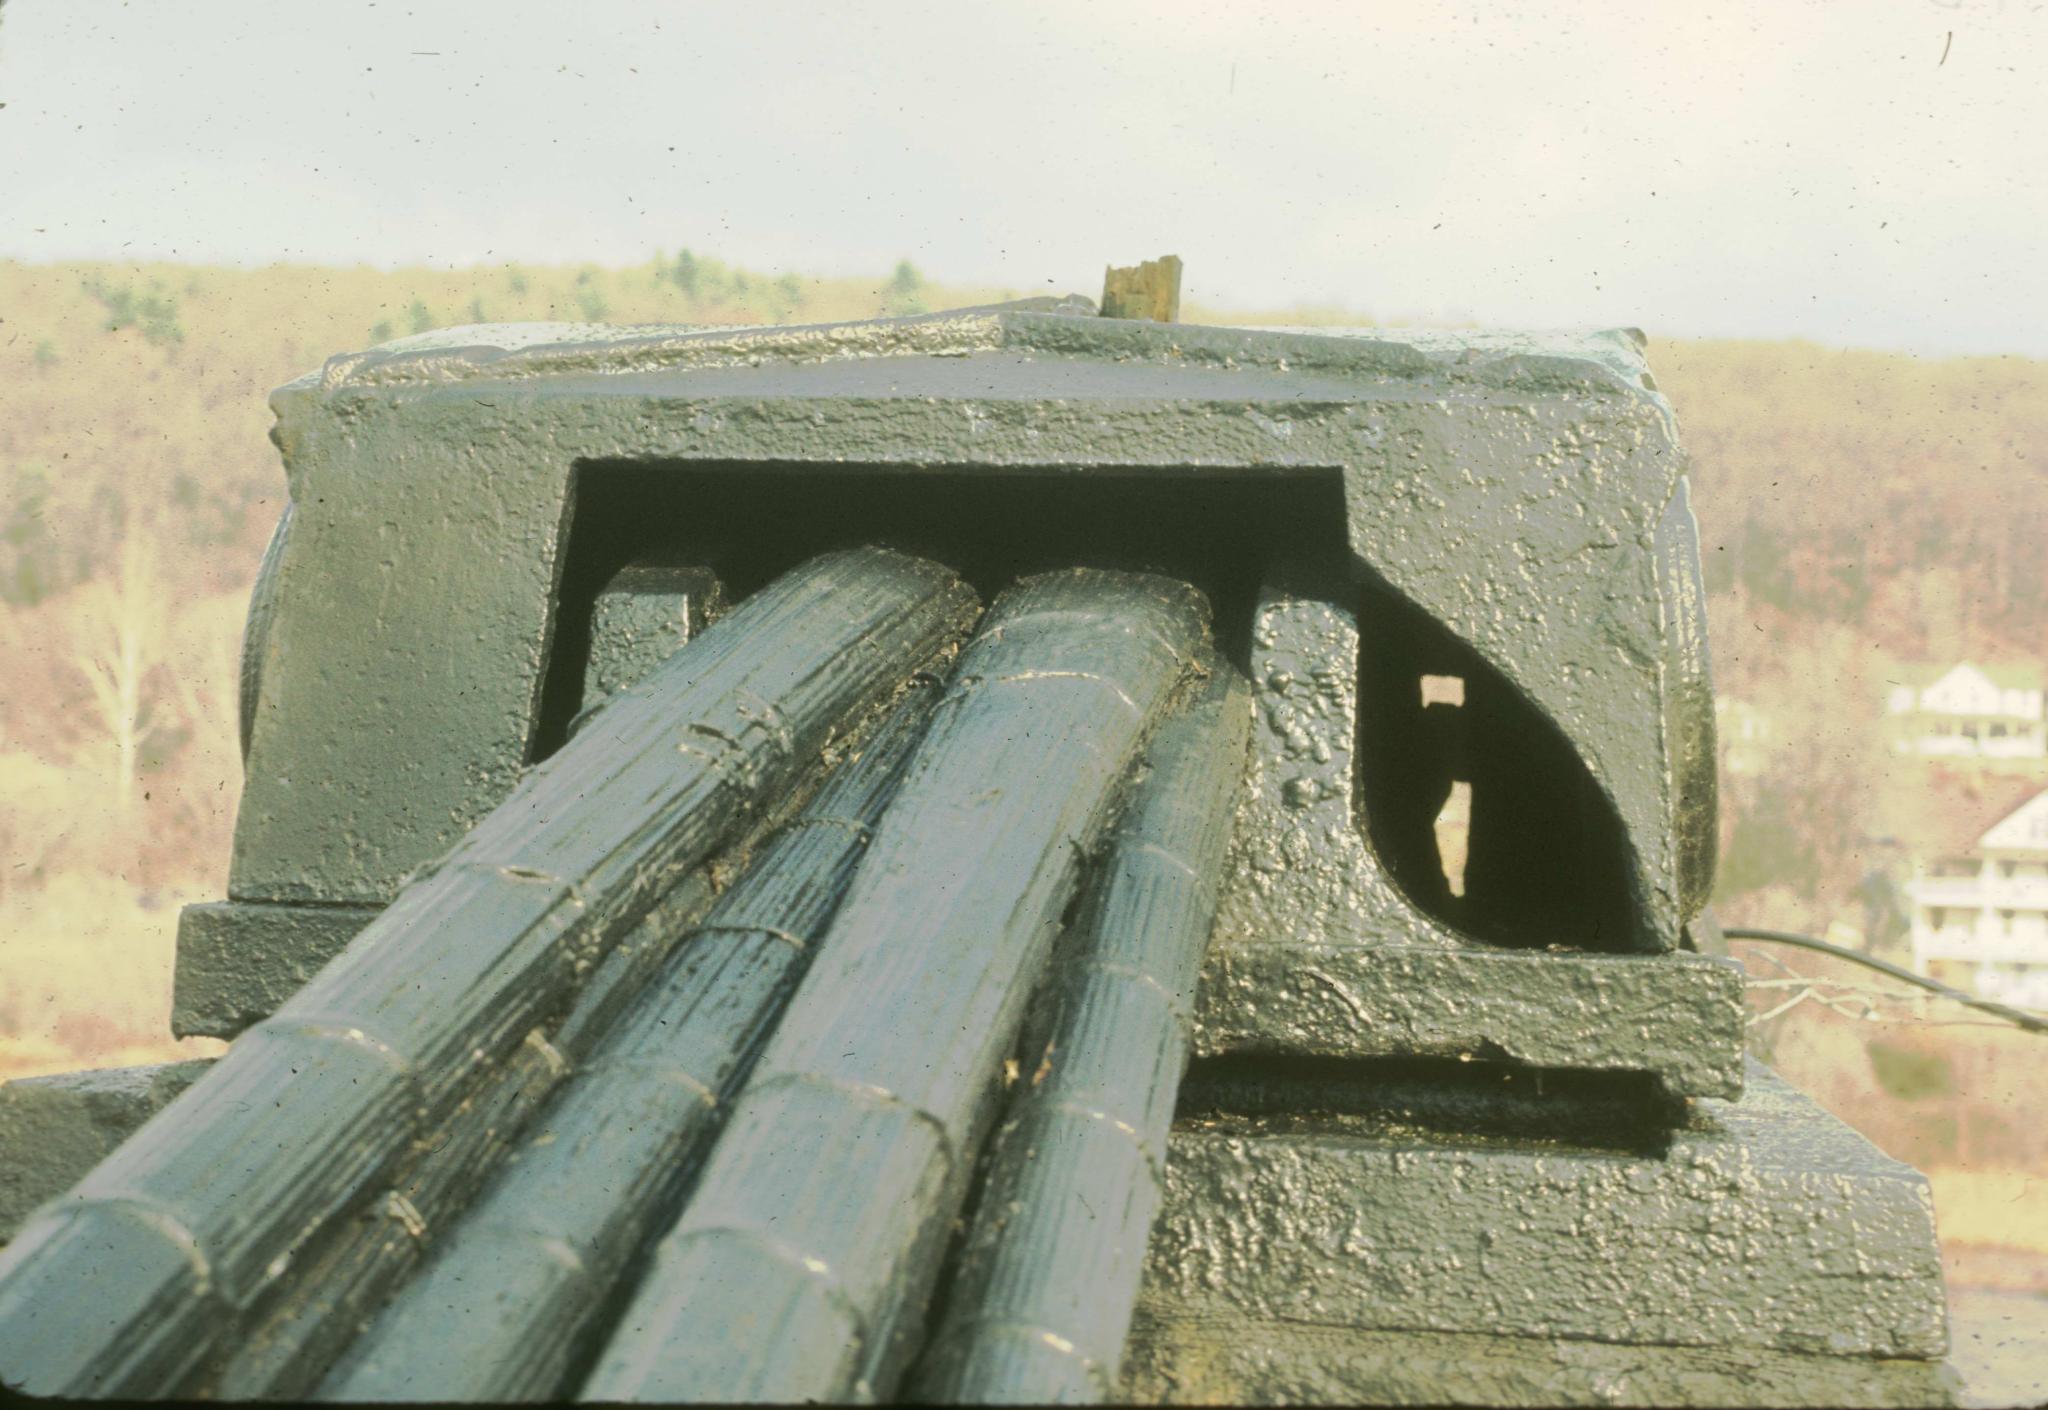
column 791, row 1274
column 1688, row 699
column 506, row 1311
column 1764, row 1224
column 1300, row 871
column 1318, row 953
column 1678, row 1016
column 54, row 1129
column 1527, row 527
column 238, row 961
column 643, row 615
column 1285, row 1363
column 1042, row 1289
column 1522, row 491
column 206, row 1205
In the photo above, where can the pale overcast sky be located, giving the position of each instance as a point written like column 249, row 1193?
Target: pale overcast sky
column 1866, row 172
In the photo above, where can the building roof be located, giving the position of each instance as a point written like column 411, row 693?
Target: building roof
column 1946, row 812
column 2006, row 675
column 2024, row 829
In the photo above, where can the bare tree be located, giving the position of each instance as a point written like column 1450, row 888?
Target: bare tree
column 120, row 640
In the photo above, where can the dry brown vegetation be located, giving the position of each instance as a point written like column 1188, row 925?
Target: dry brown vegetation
column 137, row 487
column 1857, row 509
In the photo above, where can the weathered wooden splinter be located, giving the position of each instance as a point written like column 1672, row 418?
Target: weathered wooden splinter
column 206, row 1205
column 503, row 1312
column 802, row 1267
column 1043, row 1289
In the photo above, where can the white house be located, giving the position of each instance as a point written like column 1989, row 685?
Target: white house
column 1969, row 712
column 1980, row 921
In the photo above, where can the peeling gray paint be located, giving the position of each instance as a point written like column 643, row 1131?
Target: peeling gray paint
column 516, row 1293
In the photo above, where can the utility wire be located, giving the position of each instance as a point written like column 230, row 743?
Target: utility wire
column 2032, row 1023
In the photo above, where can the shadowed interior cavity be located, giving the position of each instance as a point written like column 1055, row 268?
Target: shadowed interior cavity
column 1545, row 856
column 1216, row 528
column 1546, row 861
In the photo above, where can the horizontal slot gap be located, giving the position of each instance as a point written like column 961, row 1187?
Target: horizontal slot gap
column 1432, row 1100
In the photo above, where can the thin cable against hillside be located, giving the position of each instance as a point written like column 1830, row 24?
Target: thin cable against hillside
column 2032, row 1023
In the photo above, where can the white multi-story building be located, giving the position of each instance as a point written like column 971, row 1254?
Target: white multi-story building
column 1969, row 712
column 1980, row 921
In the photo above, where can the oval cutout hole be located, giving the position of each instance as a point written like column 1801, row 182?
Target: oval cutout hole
column 1546, row 861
